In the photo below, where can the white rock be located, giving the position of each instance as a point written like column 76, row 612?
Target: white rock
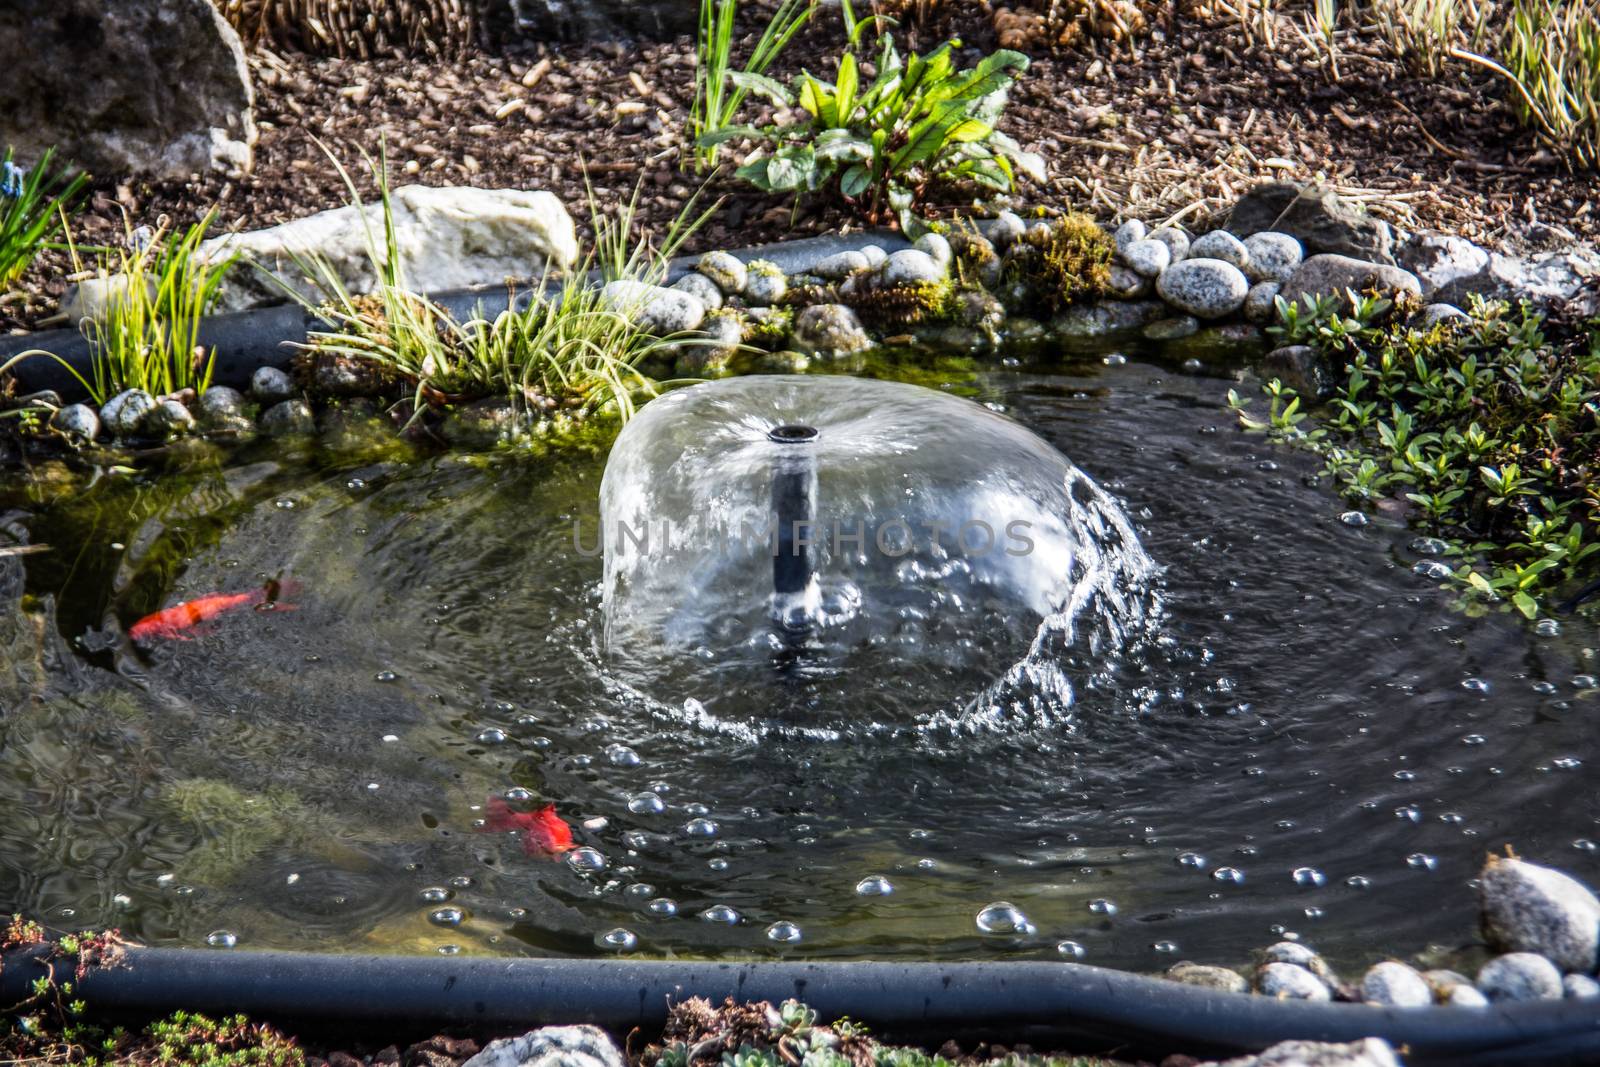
column 1129, row 232
column 269, row 384
column 1271, row 256
column 765, row 283
column 1395, row 985
column 1369, row 1052
column 875, row 255
column 1520, row 976
column 552, row 1046
column 124, row 413
column 653, row 308
column 1206, row 288
column 1147, row 257
column 1220, row 244
column 726, row 270
column 936, row 246
column 1580, row 987
column 701, row 288
column 1286, row 981
column 1176, row 240
column 1465, row 996
column 841, row 265
column 449, row 238
column 1529, row 908
column 1261, row 302
column 1434, row 314
column 1004, row 229
column 910, row 266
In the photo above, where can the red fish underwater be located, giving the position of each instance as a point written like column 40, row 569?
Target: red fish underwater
column 179, row 622
column 543, row 832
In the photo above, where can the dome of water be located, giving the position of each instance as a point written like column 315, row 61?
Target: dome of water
column 827, row 554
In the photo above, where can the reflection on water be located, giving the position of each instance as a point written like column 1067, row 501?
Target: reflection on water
column 1311, row 740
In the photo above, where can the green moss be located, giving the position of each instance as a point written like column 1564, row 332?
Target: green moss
column 1071, row 261
column 233, row 827
column 764, row 267
column 771, row 329
column 906, row 305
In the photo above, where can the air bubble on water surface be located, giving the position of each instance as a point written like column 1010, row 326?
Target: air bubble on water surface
column 222, row 939
column 1071, row 950
column 1230, row 875
column 874, row 885
column 618, row 940
column 1003, row 917
column 700, row 828
column 1309, row 877
column 662, row 906
column 586, row 859
column 721, row 913
column 785, row 933
column 446, row 916
column 646, row 804
column 1102, row 906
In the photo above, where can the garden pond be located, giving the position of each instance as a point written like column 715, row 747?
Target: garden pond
column 1312, row 737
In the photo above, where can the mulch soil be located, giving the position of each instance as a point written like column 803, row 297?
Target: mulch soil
column 1174, row 127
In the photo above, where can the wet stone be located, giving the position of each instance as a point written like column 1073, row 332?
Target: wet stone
column 724, row 270
column 169, row 417
column 829, row 330
column 765, row 283
column 701, row 288
column 481, row 423
column 723, row 333
column 124, row 414
column 1529, row 908
column 219, row 400
column 978, row 309
column 288, row 418
column 1261, row 302
column 1368, row 1052
column 1299, row 367
column 1096, row 320
column 1287, row 981
column 77, row 420
column 1520, row 976
column 269, row 385
column 1172, row 329
column 1395, row 985
column 1301, row 956
column 1219, row 978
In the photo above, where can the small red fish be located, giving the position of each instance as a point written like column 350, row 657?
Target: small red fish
column 543, row 832
column 178, row 622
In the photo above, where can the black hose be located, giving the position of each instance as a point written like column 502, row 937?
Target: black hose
column 246, row 340
column 1048, row 1004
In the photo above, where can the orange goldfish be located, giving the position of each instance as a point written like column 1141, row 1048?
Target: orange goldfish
column 178, row 622
column 543, row 832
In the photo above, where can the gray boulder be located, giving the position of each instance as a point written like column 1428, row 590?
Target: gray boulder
column 1520, row 976
column 157, row 88
column 1316, row 217
column 1176, row 240
column 269, row 384
column 722, row 334
column 1300, row 368
column 1111, row 316
column 829, row 331
column 124, row 414
column 552, row 1046
column 1369, row 1052
column 1529, row 908
column 1440, row 260
column 169, row 417
column 1129, row 232
column 701, row 288
column 1331, row 275
column 1205, row 288
column 911, row 266
column 1220, row 244
column 1288, row 981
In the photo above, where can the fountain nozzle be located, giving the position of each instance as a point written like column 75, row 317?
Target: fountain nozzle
column 794, row 490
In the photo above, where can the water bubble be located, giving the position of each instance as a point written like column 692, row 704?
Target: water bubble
column 1192, row 860
column 586, row 860
column 622, row 756
column 492, row 736
column 1422, row 861
column 1547, row 628
column 517, row 913
column 222, row 939
column 700, row 828
column 1405, row 776
column 927, row 865
column 284, row 504
column 122, row 900
column 435, row 894
column 1102, row 906
column 461, row 881
column 1230, row 875
column 1473, row 739
column 1432, row 568
column 1583, row 844
column 1454, row 818
column 1477, row 685
column 1566, row 763
column 1193, row 366
column 449, row 950
column 1115, row 359
column 1003, row 917
column 1165, row 948
column 717, row 864
column 662, row 906
column 1408, row 812
column 1429, row 546
column 446, row 916
column 639, row 891
column 1071, row 950
column 618, row 939
column 1353, row 518
column 785, row 933
column 517, row 794
column 1544, row 688
column 721, row 913
column 874, row 885
column 385, row 676
column 1314, row 912
column 695, row 808
column 1309, row 877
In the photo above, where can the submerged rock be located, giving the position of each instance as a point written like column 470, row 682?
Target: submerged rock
column 288, row 418
column 77, row 420
column 552, row 1046
column 1272, row 256
column 723, row 334
column 1111, row 316
column 829, row 331
column 1395, row 985
column 1520, row 976
column 1316, row 217
column 1203, row 287
column 482, row 423
column 1334, row 275
column 659, row 310
column 124, row 414
column 269, row 385
column 1219, row 978
column 1288, row 981
column 1529, row 908
column 1369, row 1052
column 1172, row 329
column 1125, row 283
column 724, row 270
column 1300, row 368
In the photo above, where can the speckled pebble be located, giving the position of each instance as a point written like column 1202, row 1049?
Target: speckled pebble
column 169, row 417
column 1286, row 981
column 764, row 283
column 124, row 414
column 1520, row 976
column 219, row 400
column 701, row 288
column 1220, row 244
column 77, row 420
column 1204, row 287
column 1261, row 302
column 1271, row 256
column 269, row 385
column 1147, row 257
column 1176, row 240
column 1395, row 985
column 1529, row 908
column 1129, row 232
column 841, row 265
column 724, row 270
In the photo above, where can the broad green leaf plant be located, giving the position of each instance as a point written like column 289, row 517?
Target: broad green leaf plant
column 882, row 143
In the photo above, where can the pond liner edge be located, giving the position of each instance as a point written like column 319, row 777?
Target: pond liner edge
column 1051, row 1005
column 246, row 340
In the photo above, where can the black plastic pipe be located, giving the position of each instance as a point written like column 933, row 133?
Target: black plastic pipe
column 1050, row 1005
column 794, row 491
column 246, row 340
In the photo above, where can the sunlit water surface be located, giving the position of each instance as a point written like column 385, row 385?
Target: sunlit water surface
column 1311, row 740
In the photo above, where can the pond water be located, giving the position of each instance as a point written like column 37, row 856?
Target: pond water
column 1311, row 738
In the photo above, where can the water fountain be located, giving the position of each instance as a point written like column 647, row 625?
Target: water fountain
column 841, row 533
